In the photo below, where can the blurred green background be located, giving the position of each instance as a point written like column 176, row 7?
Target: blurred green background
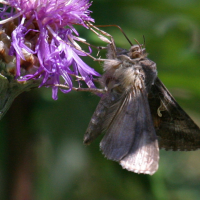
column 42, row 156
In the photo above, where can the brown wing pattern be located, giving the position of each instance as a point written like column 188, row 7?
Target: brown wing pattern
column 174, row 128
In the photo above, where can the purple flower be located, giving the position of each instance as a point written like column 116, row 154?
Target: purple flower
column 39, row 45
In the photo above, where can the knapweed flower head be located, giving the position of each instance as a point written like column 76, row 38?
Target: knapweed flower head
column 37, row 41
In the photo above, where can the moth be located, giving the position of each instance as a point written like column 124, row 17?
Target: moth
column 137, row 113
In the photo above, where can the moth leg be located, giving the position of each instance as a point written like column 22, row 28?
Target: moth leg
column 84, row 42
column 102, row 35
column 99, row 48
column 94, row 59
column 80, row 78
column 92, row 90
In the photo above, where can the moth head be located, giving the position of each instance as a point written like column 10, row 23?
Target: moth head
column 136, row 51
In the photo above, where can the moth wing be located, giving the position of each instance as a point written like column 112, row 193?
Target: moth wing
column 118, row 138
column 174, row 128
column 95, row 126
column 130, row 138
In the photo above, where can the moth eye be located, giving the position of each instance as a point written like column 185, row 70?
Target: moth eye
column 135, row 55
column 135, row 49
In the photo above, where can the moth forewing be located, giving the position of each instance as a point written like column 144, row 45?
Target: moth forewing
column 96, row 125
column 174, row 128
column 143, row 157
column 130, row 138
column 117, row 141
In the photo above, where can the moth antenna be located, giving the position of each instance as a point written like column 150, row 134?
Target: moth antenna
column 124, row 34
